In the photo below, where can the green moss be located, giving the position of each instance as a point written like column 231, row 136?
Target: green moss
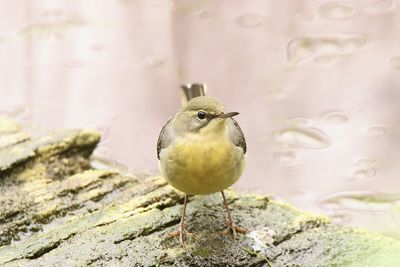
column 67, row 215
column 202, row 252
column 119, row 235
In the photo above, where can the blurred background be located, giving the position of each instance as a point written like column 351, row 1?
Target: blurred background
column 317, row 85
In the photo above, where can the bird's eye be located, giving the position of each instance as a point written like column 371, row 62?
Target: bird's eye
column 201, row 115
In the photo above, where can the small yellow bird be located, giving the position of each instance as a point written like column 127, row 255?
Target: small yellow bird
column 202, row 151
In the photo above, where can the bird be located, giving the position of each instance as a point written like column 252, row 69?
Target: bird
column 201, row 150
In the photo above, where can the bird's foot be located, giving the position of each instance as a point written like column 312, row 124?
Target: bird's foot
column 182, row 233
column 233, row 229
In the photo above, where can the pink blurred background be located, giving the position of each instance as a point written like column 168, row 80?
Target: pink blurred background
column 317, row 85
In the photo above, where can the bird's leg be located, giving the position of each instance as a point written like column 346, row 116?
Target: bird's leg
column 232, row 227
column 182, row 232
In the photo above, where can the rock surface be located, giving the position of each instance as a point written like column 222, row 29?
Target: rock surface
column 56, row 209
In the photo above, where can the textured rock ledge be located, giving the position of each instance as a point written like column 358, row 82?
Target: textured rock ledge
column 57, row 210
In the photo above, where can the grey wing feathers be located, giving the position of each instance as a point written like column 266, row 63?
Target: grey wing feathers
column 238, row 136
column 163, row 139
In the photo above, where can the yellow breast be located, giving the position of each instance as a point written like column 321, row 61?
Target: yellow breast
column 203, row 165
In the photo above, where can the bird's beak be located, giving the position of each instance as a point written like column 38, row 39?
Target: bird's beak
column 227, row 115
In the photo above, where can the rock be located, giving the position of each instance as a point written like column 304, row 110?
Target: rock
column 55, row 209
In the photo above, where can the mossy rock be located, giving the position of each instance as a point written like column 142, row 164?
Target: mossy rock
column 55, row 209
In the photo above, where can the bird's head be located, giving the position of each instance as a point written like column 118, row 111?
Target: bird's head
column 203, row 113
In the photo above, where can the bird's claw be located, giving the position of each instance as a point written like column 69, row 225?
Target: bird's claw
column 234, row 229
column 182, row 233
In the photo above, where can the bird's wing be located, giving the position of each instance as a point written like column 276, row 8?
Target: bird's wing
column 163, row 139
column 237, row 136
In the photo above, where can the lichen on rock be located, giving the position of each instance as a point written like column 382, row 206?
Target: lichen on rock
column 55, row 209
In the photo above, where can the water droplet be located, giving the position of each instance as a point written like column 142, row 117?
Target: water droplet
column 363, row 170
column 326, row 59
column 379, row 7
column 205, row 15
column 395, row 62
column 299, row 122
column 249, row 20
column 311, row 138
column 286, row 157
column 332, row 201
column 275, row 94
column 365, row 207
column 304, row 17
column 337, row 118
column 376, row 131
column 153, row 61
column 363, row 174
column 337, row 10
column 191, row 7
column 358, row 200
column 328, row 204
column 365, row 161
column 354, row 44
column 324, row 48
column 74, row 63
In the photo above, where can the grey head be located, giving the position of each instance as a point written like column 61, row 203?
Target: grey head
column 197, row 114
